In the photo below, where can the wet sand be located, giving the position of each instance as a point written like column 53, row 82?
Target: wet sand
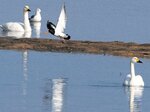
column 115, row 48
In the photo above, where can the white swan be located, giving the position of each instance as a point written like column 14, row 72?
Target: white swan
column 18, row 26
column 61, row 25
column 37, row 17
column 132, row 79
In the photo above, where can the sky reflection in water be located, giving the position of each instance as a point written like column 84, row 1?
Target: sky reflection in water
column 37, row 82
column 57, row 82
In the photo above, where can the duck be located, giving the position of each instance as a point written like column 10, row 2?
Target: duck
column 59, row 29
column 37, row 17
column 132, row 79
column 18, row 26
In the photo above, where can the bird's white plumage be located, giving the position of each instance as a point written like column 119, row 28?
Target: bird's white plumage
column 13, row 26
column 37, row 17
column 127, row 80
column 61, row 24
column 136, row 81
column 132, row 79
column 18, row 26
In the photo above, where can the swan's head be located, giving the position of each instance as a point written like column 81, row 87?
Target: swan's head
column 136, row 60
column 38, row 10
column 27, row 8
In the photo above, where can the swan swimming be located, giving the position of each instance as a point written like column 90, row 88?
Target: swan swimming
column 132, row 79
column 59, row 29
column 18, row 26
column 37, row 17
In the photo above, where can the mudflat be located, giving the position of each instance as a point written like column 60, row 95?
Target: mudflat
column 115, row 48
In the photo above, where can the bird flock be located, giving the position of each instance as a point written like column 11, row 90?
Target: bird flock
column 58, row 30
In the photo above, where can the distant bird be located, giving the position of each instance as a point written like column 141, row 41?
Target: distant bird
column 132, row 79
column 59, row 29
column 18, row 26
column 37, row 17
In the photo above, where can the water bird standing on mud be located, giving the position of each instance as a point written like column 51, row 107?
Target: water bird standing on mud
column 132, row 79
column 18, row 26
column 59, row 29
column 37, row 17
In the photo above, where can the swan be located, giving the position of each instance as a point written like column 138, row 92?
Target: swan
column 18, row 26
column 58, row 30
column 37, row 17
column 132, row 79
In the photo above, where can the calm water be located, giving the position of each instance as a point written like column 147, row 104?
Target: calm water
column 58, row 82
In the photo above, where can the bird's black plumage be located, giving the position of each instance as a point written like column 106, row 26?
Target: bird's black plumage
column 51, row 27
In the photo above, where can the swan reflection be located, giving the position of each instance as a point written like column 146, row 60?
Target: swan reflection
column 25, row 71
column 25, row 65
column 27, row 35
column 13, row 34
column 16, row 34
column 55, row 95
column 135, row 98
column 36, row 26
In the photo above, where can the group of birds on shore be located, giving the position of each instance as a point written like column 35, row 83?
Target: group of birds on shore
column 58, row 30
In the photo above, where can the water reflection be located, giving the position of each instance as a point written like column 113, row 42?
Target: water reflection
column 27, row 34
column 25, row 71
column 135, row 98
column 54, row 94
column 16, row 34
column 36, row 27
column 13, row 34
column 25, row 63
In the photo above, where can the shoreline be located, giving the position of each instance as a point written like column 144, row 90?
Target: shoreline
column 115, row 48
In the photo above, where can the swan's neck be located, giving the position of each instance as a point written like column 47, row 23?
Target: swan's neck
column 27, row 26
column 132, row 70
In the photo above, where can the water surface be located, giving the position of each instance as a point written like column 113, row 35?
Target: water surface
column 59, row 82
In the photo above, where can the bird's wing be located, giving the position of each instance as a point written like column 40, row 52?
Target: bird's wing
column 139, row 77
column 61, row 25
column 21, row 24
column 127, row 80
column 50, row 25
column 13, row 26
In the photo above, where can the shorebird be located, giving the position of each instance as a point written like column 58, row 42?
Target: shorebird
column 59, row 29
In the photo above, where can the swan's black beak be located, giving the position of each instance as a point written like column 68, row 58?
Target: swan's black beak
column 29, row 10
column 140, row 61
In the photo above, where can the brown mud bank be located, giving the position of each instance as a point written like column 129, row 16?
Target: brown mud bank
column 115, row 48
